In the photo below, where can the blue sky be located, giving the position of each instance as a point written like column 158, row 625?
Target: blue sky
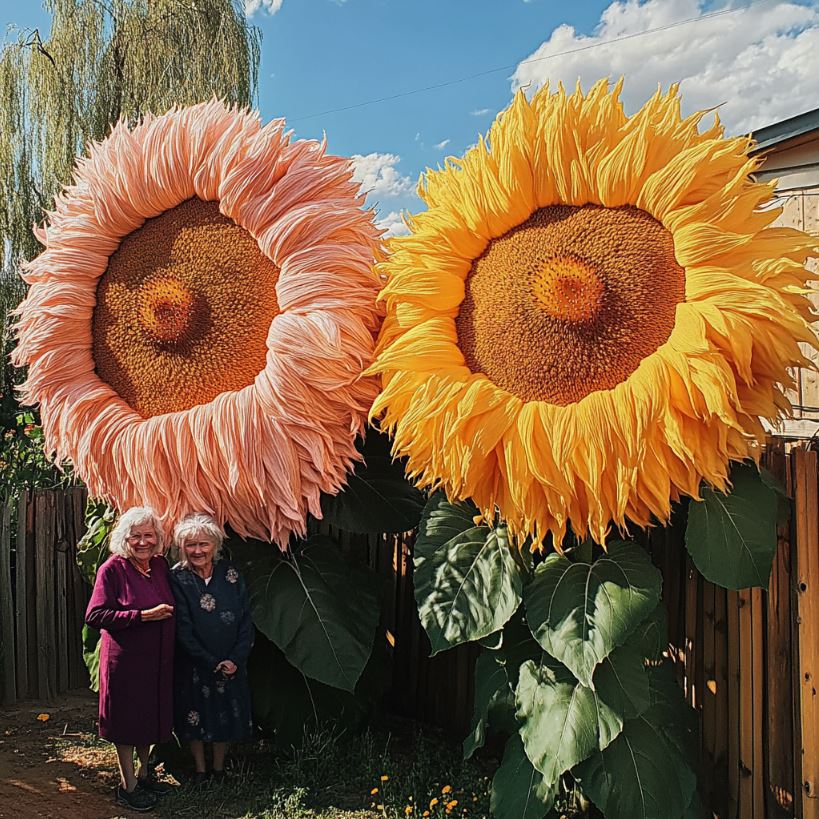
column 759, row 64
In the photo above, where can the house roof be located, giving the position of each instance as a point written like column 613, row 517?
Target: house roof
column 778, row 132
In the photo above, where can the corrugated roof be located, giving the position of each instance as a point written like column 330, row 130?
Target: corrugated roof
column 787, row 129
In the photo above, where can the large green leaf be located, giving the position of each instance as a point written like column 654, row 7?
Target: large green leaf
column 378, row 497
column 562, row 721
column 639, row 776
column 580, row 612
column 467, row 583
column 732, row 538
column 492, row 691
column 647, row 772
column 286, row 704
column 518, row 790
column 318, row 608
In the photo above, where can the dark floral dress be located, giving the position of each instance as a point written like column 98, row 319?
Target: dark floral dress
column 213, row 623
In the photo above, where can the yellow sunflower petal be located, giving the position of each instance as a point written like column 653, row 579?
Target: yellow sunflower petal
column 593, row 315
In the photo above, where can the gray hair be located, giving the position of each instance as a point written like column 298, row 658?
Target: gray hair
column 195, row 526
column 135, row 516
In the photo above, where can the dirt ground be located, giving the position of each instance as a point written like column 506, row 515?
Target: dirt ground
column 54, row 768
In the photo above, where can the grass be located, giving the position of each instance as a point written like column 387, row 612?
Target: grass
column 331, row 777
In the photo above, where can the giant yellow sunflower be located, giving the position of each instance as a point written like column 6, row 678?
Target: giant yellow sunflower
column 592, row 316
column 198, row 323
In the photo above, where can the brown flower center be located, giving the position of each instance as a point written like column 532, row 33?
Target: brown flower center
column 183, row 310
column 570, row 301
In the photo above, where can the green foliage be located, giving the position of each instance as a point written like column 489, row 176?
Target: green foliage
column 289, row 705
column 732, row 538
column 563, row 721
column 91, row 654
column 318, row 608
column 467, row 582
column 377, row 497
column 92, row 548
column 518, row 790
column 580, row 612
column 648, row 771
column 23, row 463
column 491, row 690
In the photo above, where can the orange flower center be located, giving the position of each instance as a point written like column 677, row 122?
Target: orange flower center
column 570, row 301
column 183, row 310
column 568, row 288
column 166, row 309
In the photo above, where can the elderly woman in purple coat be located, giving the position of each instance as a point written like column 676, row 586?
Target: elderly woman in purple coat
column 133, row 606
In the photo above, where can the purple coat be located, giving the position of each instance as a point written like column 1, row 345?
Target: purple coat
column 136, row 658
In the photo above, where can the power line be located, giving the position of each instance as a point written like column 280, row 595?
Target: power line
column 489, row 71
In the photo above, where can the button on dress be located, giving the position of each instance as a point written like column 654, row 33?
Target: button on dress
column 136, row 658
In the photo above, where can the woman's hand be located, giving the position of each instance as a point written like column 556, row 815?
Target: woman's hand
column 161, row 612
column 227, row 667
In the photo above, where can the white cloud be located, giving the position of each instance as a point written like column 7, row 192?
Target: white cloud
column 378, row 175
column 270, row 6
column 439, row 146
column 392, row 224
column 481, row 112
column 761, row 64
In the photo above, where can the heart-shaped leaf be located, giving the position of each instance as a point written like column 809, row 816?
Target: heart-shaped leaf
column 732, row 538
column 317, row 607
column 647, row 771
column 467, row 583
column 518, row 790
column 562, row 722
column 580, row 612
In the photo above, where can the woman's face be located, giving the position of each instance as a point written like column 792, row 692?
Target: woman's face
column 199, row 551
column 142, row 541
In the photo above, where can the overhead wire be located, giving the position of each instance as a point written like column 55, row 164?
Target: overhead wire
column 478, row 74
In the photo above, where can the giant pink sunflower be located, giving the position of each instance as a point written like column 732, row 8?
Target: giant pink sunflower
column 197, row 326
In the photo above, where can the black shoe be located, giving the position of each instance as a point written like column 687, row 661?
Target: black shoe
column 151, row 784
column 218, row 777
column 138, row 799
column 199, row 778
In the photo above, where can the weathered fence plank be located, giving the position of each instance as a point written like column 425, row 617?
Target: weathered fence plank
column 807, row 568
column 21, row 606
column 44, row 591
column 8, row 677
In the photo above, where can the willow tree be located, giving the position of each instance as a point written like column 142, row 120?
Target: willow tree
column 99, row 62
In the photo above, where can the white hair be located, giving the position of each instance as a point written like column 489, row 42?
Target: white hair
column 135, row 516
column 197, row 526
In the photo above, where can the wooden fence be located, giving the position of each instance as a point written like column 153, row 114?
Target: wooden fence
column 747, row 660
column 42, row 595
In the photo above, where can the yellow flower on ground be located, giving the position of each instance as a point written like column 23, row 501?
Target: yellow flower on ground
column 384, row 778
column 43, row 717
column 433, row 802
column 593, row 315
column 373, row 791
column 446, row 789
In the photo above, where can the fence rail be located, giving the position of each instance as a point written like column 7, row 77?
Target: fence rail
column 748, row 660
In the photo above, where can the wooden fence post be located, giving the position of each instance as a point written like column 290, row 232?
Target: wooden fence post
column 807, row 601
column 7, row 655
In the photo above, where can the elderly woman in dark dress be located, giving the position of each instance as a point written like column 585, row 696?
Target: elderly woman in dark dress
column 214, row 634
column 132, row 605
